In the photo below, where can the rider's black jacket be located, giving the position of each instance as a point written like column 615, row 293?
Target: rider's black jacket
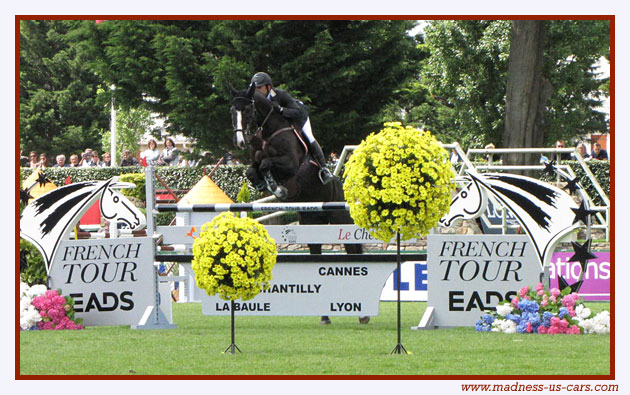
column 293, row 110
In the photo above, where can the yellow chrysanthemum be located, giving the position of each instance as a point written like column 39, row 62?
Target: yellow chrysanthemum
column 399, row 180
column 233, row 257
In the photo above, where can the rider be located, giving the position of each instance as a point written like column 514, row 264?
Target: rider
column 297, row 113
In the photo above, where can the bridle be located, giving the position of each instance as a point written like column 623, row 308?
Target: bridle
column 252, row 120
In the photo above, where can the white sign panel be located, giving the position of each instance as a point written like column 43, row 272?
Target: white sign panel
column 313, row 289
column 111, row 280
column 413, row 283
column 283, row 234
column 470, row 274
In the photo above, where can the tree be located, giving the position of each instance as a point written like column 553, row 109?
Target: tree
column 345, row 71
column 467, row 76
column 131, row 125
column 527, row 90
column 59, row 108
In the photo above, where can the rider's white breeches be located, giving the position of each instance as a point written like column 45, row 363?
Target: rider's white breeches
column 308, row 132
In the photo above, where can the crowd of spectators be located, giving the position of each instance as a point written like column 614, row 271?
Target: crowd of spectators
column 169, row 156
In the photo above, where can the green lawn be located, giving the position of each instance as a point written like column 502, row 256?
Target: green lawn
column 301, row 346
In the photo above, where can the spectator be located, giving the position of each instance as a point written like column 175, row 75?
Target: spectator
column 581, row 149
column 107, row 160
column 86, row 158
column 23, row 160
column 127, row 159
column 183, row 159
column 489, row 157
column 454, row 156
column 32, row 160
column 43, row 161
column 152, row 154
column 565, row 155
column 170, row 155
column 334, row 158
column 599, row 153
column 74, row 160
column 97, row 161
column 61, row 161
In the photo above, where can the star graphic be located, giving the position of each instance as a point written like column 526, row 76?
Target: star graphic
column 572, row 185
column 582, row 253
column 42, row 179
column 550, row 168
column 562, row 284
column 25, row 195
column 581, row 213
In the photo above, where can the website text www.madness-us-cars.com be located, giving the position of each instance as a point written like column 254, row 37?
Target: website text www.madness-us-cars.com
column 517, row 387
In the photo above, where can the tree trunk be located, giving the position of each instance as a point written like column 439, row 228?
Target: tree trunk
column 527, row 91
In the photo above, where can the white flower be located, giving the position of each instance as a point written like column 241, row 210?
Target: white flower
column 504, row 309
column 508, row 326
column 582, row 312
column 29, row 317
column 37, row 290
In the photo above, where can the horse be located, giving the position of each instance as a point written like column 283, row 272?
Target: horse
column 281, row 163
column 48, row 219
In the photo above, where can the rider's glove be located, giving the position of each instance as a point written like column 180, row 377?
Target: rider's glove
column 277, row 107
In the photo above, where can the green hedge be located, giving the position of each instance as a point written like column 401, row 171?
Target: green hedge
column 228, row 178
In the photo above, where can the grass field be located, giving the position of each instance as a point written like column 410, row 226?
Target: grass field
column 301, row 346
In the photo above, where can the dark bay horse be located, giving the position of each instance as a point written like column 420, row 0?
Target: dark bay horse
column 282, row 164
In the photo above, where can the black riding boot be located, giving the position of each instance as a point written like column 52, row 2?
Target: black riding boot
column 324, row 174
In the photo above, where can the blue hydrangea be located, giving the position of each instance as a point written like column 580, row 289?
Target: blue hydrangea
column 546, row 317
column 529, row 306
column 562, row 312
column 481, row 326
column 487, row 318
column 522, row 327
column 514, row 317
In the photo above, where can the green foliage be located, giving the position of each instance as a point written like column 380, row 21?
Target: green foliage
column 466, row 77
column 184, row 67
column 59, row 108
column 244, row 194
column 131, row 125
column 139, row 192
column 34, row 272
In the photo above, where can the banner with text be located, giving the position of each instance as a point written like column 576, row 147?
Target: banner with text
column 596, row 285
column 470, row 274
column 111, row 280
column 305, row 289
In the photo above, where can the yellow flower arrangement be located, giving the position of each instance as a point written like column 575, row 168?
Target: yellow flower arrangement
column 233, row 257
column 399, row 180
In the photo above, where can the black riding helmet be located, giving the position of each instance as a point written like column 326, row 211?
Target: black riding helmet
column 261, row 78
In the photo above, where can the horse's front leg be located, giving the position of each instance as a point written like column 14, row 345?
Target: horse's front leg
column 278, row 190
column 256, row 178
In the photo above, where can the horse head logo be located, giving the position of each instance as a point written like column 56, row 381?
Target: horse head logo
column 470, row 202
column 116, row 207
column 49, row 219
column 545, row 212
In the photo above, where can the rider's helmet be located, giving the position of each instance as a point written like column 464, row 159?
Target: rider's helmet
column 261, row 78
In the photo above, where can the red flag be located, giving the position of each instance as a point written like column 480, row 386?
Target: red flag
column 68, row 180
column 144, row 161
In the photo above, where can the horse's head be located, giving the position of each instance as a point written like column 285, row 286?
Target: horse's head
column 469, row 203
column 243, row 114
column 116, row 207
